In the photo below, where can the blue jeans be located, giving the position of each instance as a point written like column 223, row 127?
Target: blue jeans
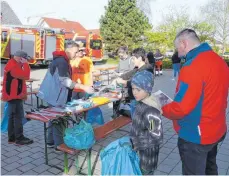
column 176, row 69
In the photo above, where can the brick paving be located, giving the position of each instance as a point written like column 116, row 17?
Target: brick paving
column 29, row 160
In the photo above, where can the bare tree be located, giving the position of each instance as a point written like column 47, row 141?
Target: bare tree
column 216, row 12
column 174, row 21
column 144, row 6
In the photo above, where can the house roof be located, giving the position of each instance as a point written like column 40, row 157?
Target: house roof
column 8, row 16
column 68, row 26
column 94, row 31
column 71, row 27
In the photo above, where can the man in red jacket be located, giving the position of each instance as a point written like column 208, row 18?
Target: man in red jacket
column 199, row 107
column 16, row 71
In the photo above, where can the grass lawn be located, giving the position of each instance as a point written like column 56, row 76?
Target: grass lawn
column 110, row 61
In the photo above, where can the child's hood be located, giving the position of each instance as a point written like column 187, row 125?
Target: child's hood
column 153, row 102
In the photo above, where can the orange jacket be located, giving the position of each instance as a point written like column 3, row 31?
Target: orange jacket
column 82, row 71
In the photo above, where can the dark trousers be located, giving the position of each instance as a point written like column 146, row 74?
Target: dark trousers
column 55, row 133
column 16, row 114
column 78, row 95
column 198, row 159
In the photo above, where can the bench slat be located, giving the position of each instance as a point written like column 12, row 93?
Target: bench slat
column 32, row 93
column 65, row 148
column 111, row 126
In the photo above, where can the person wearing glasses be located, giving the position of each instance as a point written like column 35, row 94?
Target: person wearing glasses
column 125, row 63
column 198, row 110
column 82, row 68
column 57, row 86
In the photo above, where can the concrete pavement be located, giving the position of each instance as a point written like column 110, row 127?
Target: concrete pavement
column 29, row 160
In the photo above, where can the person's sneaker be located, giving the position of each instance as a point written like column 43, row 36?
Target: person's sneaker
column 57, row 150
column 50, row 145
column 30, row 140
column 24, row 141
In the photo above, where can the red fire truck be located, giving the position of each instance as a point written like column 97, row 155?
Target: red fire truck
column 38, row 42
column 92, row 43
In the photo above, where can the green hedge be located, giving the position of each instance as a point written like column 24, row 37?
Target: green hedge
column 167, row 63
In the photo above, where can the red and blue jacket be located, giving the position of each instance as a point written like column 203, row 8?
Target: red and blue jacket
column 199, row 107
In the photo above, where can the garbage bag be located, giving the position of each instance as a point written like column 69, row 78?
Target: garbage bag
column 4, row 124
column 118, row 158
column 95, row 115
column 81, row 136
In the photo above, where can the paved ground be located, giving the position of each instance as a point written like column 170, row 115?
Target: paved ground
column 29, row 160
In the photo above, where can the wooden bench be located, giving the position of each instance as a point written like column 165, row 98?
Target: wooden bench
column 34, row 92
column 100, row 133
column 30, row 94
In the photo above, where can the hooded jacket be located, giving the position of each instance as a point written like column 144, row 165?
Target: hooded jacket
column 146, row 132
column 199, row 107
column 125, row 65
column 14, row 85
column 57, row 86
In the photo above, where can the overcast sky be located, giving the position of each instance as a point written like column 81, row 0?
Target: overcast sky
column 88, row 12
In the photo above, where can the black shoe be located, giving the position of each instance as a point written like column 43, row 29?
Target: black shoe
column 28, row 119
column 30, row 140
column 50, row 145
column 11, row 141
column 24, row 141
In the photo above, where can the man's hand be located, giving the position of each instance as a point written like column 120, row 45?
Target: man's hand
column 120, row 81
column 88, row 89
column 117, row 74
column 23, row 60
column 114, row 83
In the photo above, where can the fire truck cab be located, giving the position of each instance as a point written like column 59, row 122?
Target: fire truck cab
column 38, row 42
column 93, row 45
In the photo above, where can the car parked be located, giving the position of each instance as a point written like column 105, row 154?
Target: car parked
column 169, row 53
column 226, row 55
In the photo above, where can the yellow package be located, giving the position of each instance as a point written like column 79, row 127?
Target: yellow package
column 100, row 100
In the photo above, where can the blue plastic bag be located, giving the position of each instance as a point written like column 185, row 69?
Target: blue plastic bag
column 81, row 136
column 95, row 115
column 4, row 123
column 118, row 158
